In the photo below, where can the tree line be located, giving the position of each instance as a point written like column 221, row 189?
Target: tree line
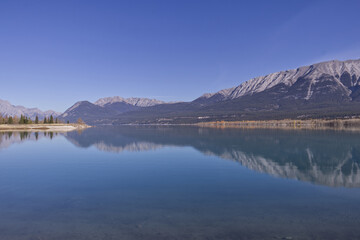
column 27, row 120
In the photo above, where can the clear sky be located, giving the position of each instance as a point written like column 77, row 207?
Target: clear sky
column 54, row 53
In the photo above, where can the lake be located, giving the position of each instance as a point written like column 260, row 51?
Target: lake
column 162, row 182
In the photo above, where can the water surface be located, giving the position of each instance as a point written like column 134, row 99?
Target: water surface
column 180, row 183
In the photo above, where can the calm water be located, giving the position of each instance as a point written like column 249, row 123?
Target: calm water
column 180, row 183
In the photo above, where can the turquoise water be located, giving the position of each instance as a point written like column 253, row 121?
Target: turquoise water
column 180, row 183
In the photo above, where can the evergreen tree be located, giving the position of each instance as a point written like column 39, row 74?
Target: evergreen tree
column 68, row 121
column 36, row 120
column 56, row 120
column 22, row 119
column 51, row 119
column 3, row 119
column 45, row 120
column 10, row 121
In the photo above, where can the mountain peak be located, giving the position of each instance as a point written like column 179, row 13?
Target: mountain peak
column 139, row 102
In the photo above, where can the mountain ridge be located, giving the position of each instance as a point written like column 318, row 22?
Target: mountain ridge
column 108, row 106
column 7, row 109
column 289, row 77
column 135, row 101
column 325, row 89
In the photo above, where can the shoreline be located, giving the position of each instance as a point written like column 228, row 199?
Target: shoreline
column 335, row 124
column 56, row 127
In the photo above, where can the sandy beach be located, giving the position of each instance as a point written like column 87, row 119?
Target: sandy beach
column 43, row 127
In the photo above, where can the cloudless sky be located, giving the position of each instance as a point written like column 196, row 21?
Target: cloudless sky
column 54, row 53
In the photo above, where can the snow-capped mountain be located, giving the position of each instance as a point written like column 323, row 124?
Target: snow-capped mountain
column 139, row 102
column 7, row 109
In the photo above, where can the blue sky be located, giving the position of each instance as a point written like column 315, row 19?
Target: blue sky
column 54, row 53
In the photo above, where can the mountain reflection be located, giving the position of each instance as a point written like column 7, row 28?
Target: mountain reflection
column 323, row 157
column 330, row 158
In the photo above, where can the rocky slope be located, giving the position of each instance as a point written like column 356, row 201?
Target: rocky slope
column 309, row 82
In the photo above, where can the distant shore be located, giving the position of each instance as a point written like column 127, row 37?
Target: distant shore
column 56, row 127
column 339, row 124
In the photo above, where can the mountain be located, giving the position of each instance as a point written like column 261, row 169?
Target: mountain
column 323, row 90
column 85, row 110
column 310, row 82
column 106, row 108
column 7, row 108
column 139, row 102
